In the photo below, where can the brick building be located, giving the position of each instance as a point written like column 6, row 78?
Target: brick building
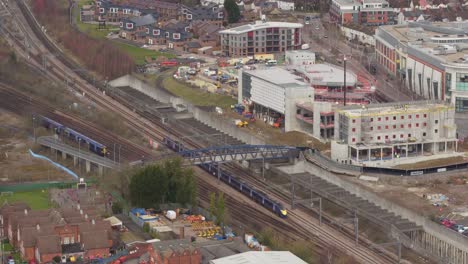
column 136, row 28
column 115, row 11
column 365, row 12
column 261, row 37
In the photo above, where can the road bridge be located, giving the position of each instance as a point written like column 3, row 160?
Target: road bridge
column 77, row 154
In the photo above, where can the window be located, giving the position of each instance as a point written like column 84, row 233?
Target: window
column 167, row 34
column 101, row 10
column 129, row 25
column 121, row 24
column 402, row 126
column 409, row 135
column 402, row 117
column 409, row 125
column 372, row 119
column 378, row 138
column 386, row 137
column 424, row 124
column 386, row 127
column 189, row 16
column 156, row 32
column 354, row 120
column 437, row 121
column 176, row 35
column 424, row 134
column 401, row 135
column 354, row 140
column 394, row 126
column 425, row 115
column 147, row 30
column 417, row 116
column 394, row 117
column 394, row 136
column 436, row 131
column 379, row 119
column 354, row 129
column 409, row 116
column 386, row 118
column 371, row 128
column 378, row 127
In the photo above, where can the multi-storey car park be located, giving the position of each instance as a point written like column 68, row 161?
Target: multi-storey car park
column 261, row 37
column 431, row 58
column 390, row 133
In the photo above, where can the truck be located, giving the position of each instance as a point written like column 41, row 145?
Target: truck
column 305, row 46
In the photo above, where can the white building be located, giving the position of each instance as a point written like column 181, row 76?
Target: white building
column 431, row 58
column 389, row 134
column 256, row 257
column 273, row 93
column 299, row 57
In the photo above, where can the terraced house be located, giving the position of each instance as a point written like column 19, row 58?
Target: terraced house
column 136, row 28
column 42, row 235
column 115, row 11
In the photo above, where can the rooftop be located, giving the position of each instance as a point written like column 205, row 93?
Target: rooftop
column 444, row 42
column 327, row 75
column 254, row 257
column 393, row 108
column 260, row 25
column 143, row 20
column 278, row 76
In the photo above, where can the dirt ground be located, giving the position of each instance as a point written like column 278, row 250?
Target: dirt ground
column 415, row 195
column 275, row 135
column 16, row 164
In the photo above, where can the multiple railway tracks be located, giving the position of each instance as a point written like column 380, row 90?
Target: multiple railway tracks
column 48, row 58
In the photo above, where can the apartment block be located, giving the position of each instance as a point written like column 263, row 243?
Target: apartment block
column 429, row 57
column 388, row 133
column 261, row 37
column 364, row 12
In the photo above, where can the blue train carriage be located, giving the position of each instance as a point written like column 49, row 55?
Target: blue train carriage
column 93, row 145
column 51, row 124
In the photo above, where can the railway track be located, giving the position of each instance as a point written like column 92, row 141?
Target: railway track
column 62, row 68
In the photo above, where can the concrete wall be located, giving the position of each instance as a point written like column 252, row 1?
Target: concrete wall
column 427, row 72
column 226, row 126
column 429, row 226
column 361, row 36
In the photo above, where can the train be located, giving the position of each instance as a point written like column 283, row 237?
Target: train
column 60, row 129
column 254, row 194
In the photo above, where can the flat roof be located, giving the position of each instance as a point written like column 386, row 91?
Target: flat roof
column 395, row 108
column 260, row 25
column 278, row 76
column 434, row 35
column 327, row 75
column 255, row 257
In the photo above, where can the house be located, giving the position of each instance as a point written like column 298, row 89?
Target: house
column 192, row 46
column 136, row 28
column 415, row 15
column 48, row 247
column 87, row 13
column 4, row 213
column 115, row 11
column 207, row 33
column 173, row 33
column 96, row 244
column 211, row 13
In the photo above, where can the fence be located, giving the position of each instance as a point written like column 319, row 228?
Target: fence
column 27, row 187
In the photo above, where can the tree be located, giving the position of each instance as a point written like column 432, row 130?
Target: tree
column 146, row 227
column 213, row 205
column 220, row 210
column 117, row 208
column 232, row 10
column 57, row 259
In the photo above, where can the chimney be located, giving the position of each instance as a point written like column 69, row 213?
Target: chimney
column 86, row 216
column 93, row 222
column 25, row 211
column 81, row 212
column 38, row 227
column 78, row 206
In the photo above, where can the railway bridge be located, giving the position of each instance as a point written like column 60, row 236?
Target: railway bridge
column 78, row 155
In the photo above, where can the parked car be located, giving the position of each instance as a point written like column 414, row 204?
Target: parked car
column 459, row 228
column 447, row 223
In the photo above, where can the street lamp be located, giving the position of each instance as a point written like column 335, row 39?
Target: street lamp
column 79, row 154
column 120, row 146
column 344, row 80
column 34, row 127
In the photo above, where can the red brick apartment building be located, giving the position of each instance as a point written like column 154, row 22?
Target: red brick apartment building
column 362, row 12
column 41, row 235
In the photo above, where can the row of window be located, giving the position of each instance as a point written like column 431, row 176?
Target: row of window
column 387, row 137
column 395, row 126
column 395, row 118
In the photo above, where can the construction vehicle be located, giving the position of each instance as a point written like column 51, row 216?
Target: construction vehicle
column 240, row 123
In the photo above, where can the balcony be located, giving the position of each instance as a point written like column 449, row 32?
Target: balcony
column 329, row 125
column 306, row 119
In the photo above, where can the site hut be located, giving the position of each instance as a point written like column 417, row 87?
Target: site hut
column 394, row 133
column 299, row 58
column 272, row 93
column 431, row 58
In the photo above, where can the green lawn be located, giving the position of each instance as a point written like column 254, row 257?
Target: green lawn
column 197, row 96
column 36, row 199
column 137, row 53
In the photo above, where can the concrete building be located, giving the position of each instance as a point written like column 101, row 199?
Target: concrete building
column 431, row 58
column 255, row 257
column 272, row 93
column 386, row 134
column 365, row 12
column 261, row 37
column 299, row 57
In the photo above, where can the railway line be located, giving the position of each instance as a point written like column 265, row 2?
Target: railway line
column 62, row 68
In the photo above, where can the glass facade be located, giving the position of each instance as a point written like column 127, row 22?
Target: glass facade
column 462, row 82
column 448, row 85
column 461, row 104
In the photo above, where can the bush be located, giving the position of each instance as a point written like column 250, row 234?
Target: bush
column 146, row 227
column 57, row 259
column 117, row 208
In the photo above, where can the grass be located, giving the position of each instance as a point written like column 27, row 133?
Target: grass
column 431, row 163
column 197, row 96
column 137, row 53
column 37, row 200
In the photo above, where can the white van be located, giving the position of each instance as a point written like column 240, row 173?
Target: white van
column 271, row 63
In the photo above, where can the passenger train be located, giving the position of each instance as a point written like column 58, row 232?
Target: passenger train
column 234, row 182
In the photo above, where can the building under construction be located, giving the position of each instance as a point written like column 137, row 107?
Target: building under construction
column 388, row 133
